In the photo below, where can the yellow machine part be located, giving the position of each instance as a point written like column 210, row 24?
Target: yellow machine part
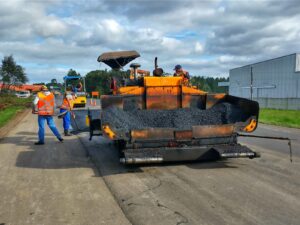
column 162, row 81
column 87, row 121
column 163, row 92
column 168, row 93
column 108, row 132
column 80, row 100
column 131, row 90
column 192, row 90
column 167, row 83
column 251, row 126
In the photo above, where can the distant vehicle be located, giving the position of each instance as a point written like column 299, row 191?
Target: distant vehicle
column 76, row 84
column 23, row 94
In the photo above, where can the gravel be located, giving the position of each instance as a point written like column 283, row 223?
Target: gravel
column 126, row 120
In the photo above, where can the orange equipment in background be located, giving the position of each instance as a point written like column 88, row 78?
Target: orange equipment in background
column 139, row 73
column 96, row 95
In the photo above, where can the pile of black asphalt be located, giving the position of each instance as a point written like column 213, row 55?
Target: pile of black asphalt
column 181, row 119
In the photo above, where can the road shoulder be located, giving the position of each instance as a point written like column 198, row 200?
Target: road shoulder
column 12, row 123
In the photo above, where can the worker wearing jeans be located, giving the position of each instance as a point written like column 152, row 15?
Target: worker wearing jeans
column 44, row 107
column 67, row 106
column 51, row 125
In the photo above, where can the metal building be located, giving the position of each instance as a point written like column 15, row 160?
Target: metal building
column 274, row 83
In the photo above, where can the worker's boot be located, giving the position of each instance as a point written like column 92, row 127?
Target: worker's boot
column 67, row 133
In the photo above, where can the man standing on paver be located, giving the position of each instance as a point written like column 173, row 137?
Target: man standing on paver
column 44, row 104
column 179, row 72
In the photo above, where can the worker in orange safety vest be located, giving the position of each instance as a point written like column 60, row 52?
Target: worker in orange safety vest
column 67, row 106
column 44, row 104
column 179, row 72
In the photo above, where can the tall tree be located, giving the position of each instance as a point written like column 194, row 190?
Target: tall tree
column 72, row 72
column 11, row 73
column 54, row 81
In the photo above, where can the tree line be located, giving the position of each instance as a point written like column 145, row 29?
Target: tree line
column 98, row 80
column 209, row 84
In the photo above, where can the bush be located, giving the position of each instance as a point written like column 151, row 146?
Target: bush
column 9, row 100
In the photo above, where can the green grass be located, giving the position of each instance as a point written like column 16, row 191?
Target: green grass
column 10, row 105
column 285, row 118
column 8, row 113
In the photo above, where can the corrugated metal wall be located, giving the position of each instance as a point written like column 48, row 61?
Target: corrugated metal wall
column 274, row 79
column 297, row 68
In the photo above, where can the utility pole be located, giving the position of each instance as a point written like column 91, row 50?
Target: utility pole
column 251, row 83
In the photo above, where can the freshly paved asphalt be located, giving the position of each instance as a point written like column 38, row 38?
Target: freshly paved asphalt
column 264, row 190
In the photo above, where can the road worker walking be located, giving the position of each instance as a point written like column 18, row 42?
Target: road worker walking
column 44, row 104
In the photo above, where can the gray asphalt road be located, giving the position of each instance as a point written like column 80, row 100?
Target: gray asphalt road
column 275, row 145
column 235, row 191
column 51, row 184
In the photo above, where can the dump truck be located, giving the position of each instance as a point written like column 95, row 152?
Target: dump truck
column 155, row 119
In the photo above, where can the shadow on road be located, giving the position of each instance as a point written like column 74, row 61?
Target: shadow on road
column 52, row 155
column 200, row 165
column 27, row 133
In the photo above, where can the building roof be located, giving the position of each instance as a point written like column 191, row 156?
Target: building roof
column 23, row 87
column 264, row 61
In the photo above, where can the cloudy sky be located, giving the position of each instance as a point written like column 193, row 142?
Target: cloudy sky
column 207, row 37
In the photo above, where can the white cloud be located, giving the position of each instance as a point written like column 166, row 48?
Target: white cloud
column 25, row 20
column 112, row 26
column 199, row 47
column 48, row 26
column 211, row 36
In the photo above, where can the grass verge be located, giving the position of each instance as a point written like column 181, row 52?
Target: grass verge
column 10, row 105
column 8, row 113
column 285, row 118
